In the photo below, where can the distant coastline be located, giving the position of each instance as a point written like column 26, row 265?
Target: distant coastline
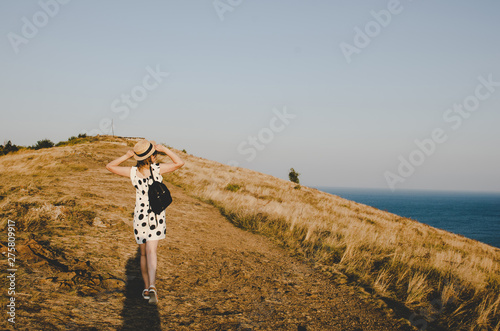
column 475, row 215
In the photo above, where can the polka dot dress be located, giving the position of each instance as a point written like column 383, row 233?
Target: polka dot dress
column 146, row 226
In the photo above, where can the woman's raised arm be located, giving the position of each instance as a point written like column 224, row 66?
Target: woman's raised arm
column 169, row 167
column 114, row 166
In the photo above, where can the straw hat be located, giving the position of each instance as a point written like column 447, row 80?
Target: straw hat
column 143, row 149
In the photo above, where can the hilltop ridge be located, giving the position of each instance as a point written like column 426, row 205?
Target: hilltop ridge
column 73, row 222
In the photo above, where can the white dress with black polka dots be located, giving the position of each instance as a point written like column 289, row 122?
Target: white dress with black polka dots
column 146, row 226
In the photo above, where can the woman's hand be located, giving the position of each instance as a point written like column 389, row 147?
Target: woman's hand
column 161, row 148
column 130, row 153
column 169, row 167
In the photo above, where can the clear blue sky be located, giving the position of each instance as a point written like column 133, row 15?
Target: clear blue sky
column 233, row 65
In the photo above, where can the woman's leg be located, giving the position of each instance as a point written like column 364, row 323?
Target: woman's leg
column 151, row 246
column 144, row 265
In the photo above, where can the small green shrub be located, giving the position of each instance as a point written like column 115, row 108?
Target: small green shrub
column 232, row 187
column 294, row 176
column 44, row 143
column 8, row 147
column 82, row 138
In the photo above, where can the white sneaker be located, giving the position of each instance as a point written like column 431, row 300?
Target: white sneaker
column 153, row 295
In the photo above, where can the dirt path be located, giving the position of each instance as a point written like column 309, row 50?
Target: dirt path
column 214, row 276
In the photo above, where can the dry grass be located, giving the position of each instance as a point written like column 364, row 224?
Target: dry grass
column 450, row 279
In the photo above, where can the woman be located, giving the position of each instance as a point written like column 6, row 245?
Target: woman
column 148, row 227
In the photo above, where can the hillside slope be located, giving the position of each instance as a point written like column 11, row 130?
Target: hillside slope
column 78, row 263
column 432, row 277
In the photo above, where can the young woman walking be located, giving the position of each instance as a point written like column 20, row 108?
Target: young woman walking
column 148, row 227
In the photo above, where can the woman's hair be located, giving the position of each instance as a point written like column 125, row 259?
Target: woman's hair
column 146, row 162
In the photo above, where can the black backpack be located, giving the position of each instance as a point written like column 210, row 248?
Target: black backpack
column 159, row 195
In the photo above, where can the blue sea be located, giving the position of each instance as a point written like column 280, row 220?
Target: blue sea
column 473, row 215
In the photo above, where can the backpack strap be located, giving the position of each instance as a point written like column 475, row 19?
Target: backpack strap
column 152, row 173
column 154, row 180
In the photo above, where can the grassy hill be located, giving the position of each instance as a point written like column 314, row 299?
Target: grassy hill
column 74, row 252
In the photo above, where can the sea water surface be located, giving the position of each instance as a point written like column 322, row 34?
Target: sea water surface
column 473, row 215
